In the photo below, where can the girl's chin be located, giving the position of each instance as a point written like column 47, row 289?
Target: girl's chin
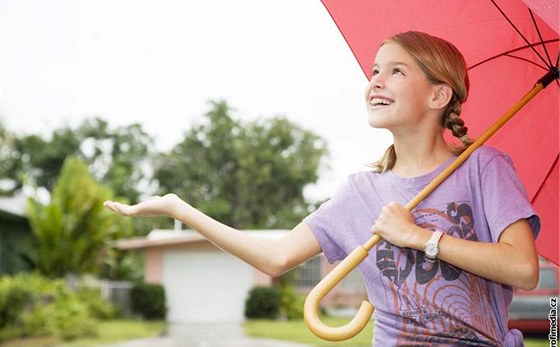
column 375, row 121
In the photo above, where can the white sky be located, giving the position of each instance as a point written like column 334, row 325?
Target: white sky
column 158, row 62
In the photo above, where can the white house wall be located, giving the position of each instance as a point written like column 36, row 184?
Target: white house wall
column 205, row 286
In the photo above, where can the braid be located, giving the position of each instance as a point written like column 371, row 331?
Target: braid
column 452, row 121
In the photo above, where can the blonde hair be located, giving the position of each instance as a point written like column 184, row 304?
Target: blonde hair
column 441, row 62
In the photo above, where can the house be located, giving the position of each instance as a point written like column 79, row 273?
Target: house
column 15, row 235
column 203, row 284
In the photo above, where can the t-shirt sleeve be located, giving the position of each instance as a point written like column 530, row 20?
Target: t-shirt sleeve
column 329, row 222
column 504, row 197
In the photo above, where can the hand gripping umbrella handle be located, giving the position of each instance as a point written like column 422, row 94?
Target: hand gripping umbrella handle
column 363, row 315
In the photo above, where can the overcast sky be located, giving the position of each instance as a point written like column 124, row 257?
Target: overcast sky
column 158, row 62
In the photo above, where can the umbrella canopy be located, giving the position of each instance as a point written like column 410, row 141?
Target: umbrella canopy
column 508, row 46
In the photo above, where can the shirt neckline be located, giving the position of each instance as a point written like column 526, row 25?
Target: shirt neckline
column 419, row 180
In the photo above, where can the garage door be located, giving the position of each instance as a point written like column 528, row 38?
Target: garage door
column 205, row 286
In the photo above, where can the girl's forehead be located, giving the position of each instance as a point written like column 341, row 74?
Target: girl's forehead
column 391, row 51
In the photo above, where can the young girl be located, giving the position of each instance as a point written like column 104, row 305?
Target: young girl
column 443, row 274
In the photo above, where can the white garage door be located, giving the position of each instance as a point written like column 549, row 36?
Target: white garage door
column 205, row 286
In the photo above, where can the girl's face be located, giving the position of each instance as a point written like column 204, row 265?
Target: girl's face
column 398, row 93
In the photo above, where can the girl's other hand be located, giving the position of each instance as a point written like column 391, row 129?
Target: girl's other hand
column 396, row 225
column 155, row 206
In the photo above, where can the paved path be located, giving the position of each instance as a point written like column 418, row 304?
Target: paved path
column 206, row 335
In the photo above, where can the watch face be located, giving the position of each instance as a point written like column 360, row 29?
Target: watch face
column 431, row 250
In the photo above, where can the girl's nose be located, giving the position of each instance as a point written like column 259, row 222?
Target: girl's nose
column 376, row 81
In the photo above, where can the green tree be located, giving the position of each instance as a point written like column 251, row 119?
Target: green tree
column 115, row 156
column 6, row 162
column 39, row 159
column 247, row 175
column 73, row 230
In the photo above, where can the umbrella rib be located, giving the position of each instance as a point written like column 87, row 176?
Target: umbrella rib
column 541, row 39
column 546, row 176
column 518, row 32
column 527, row 60
column 507, row 53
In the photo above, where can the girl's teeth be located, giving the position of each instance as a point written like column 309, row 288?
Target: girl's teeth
column 379, row 101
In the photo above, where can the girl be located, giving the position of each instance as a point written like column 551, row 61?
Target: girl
column 443, row 274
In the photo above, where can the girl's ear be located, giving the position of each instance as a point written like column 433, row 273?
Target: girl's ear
column 441, row 96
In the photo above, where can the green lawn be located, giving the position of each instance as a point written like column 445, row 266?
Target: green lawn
column 111, row 331
column 297, row 331
column 121, row 330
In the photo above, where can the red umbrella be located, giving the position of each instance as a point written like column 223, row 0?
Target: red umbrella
column 499, row 71
column 508, row 46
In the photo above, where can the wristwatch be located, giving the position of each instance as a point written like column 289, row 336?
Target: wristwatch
column 431, row 248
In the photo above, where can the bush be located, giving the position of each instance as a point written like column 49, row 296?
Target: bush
column 148, row 300
column 263, row 302
column 291, row 304
column 97, row 306
column 32, row 305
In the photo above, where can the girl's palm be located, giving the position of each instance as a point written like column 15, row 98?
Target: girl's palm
column 155, row 206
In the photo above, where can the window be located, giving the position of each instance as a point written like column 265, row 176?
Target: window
column 309, row 273
column 353, row 282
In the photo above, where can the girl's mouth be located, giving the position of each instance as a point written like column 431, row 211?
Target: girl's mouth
column 380, row 101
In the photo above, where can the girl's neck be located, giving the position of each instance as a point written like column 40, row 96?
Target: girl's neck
column 420, row 155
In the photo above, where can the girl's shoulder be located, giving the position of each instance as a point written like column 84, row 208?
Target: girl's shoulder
column 484, row 155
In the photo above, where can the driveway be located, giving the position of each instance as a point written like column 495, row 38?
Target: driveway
column 206, row 335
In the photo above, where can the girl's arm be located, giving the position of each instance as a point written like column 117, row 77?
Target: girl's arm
column 513, row 260
column 273, row 257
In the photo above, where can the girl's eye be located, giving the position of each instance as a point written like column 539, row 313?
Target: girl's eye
column 398, row 71
column 374, row 72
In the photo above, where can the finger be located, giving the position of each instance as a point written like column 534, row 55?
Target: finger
column 109, row 205
column 119, row 208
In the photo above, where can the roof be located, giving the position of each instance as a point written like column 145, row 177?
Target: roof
column 14, row 206
column 160, row 238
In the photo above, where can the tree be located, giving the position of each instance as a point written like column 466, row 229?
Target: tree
column 115, row 156
column 6, row 161
column 40, row 160
column 74, row 229
column 247, row 175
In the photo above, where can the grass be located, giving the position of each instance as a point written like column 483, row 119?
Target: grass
column 115, row 331
column 297, row 331
column 111, row 331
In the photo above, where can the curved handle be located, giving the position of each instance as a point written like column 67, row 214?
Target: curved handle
column 313, row 299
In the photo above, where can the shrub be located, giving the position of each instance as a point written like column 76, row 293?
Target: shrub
column 32, row 305
column 97, row 306
column 148, row 300
column 12, row 301
column 263, row 302
column 291, row 304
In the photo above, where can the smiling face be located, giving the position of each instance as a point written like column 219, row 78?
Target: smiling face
column 398, row 94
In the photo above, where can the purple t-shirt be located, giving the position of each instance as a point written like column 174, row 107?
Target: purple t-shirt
column 417, row 302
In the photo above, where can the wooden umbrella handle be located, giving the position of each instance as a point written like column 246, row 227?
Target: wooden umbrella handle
column 363, row 315
column 314, row 297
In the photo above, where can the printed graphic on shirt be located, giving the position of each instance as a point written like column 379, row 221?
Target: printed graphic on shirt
column 437, row 298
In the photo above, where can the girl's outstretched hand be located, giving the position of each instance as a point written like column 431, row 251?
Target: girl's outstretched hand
column 155, row 206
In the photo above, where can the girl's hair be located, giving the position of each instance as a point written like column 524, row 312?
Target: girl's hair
column 441, row 62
